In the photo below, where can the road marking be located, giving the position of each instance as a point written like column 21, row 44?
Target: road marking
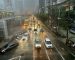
column 59, row 53
column 57, row 49
column 47, row 54
column 18, row 57
column 53, row 44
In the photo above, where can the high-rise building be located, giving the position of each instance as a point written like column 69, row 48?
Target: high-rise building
column 49, row 4
column 41, row 6
column 18, row 6
column 8, row 5
column 10, row 26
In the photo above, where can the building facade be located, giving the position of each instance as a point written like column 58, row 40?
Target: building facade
column 41, row 6
column 9, row 26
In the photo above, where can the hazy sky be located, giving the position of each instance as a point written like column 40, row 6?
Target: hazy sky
column 1, row 4
column 22, row 6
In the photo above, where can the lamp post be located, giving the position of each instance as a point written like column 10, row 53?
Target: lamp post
column 67, row 34
column 58, row 18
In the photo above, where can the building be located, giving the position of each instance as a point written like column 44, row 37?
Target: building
column 18, row 7
column 5, row 27
column 8, row 5
column 41, row 6
column 9, row 26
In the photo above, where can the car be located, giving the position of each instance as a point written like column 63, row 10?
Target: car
column 18, row 38
column 25, row 36
column 72, row 30
column 30, row 29
column 71, row 43
column 41, row 30
column 48, row 43
column 37, row 44
column 35, row 29
column 8, row 47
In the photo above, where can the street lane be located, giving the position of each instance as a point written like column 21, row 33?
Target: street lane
column 44, row 53
column 60, row 47
column 24, row 49
column 52, row 54
column 27, row 50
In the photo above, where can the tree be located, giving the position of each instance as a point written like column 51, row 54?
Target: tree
column 43, row 17
column 67, row 21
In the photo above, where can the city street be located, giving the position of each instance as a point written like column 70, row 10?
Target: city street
column 37, row 29
column 27, row 50
column 24, row 50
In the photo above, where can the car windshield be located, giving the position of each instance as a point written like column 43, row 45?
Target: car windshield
column 48, row 42
column 38, row 42
column 73, row 28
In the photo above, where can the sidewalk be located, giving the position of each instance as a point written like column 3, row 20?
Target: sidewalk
column 72, row 52
column 2, row 43
column 63, row 40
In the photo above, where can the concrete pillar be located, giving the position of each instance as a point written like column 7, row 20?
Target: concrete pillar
column 5, row 29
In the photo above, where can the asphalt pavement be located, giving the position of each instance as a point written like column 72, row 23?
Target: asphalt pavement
column 27, row 51
column 60, row 47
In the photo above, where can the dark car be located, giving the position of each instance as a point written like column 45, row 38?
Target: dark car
column 72, row 30
column 35, row 29
column 8, row 47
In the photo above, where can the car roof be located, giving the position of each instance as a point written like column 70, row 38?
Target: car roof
column 37, row 40
column 47, row 39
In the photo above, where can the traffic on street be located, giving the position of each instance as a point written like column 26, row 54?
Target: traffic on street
column 37, row 29
column 33, row 44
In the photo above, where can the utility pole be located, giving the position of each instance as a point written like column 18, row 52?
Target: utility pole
column 67, row 35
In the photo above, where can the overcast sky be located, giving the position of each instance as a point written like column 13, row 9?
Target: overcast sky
column 22, row 5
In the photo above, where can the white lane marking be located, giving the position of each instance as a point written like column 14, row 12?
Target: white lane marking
column 54, row 45
column 59, row 53
column 47, row 54
column 57, row 50
column 18, row 57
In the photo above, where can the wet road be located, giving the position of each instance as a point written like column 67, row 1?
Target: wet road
column 60, row 47
column 24, row 50
column 45, row 53
column 27, row 51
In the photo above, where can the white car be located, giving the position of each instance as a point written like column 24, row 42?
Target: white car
column 37, row 44
column 25, row 36
column 48, row 43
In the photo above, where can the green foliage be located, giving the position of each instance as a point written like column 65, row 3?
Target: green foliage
column 67, row 18
column 43, row 17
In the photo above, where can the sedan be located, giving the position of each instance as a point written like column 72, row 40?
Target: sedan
column 72, row 30
column 48, row 43
column 7, row 47
column 37, row 44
